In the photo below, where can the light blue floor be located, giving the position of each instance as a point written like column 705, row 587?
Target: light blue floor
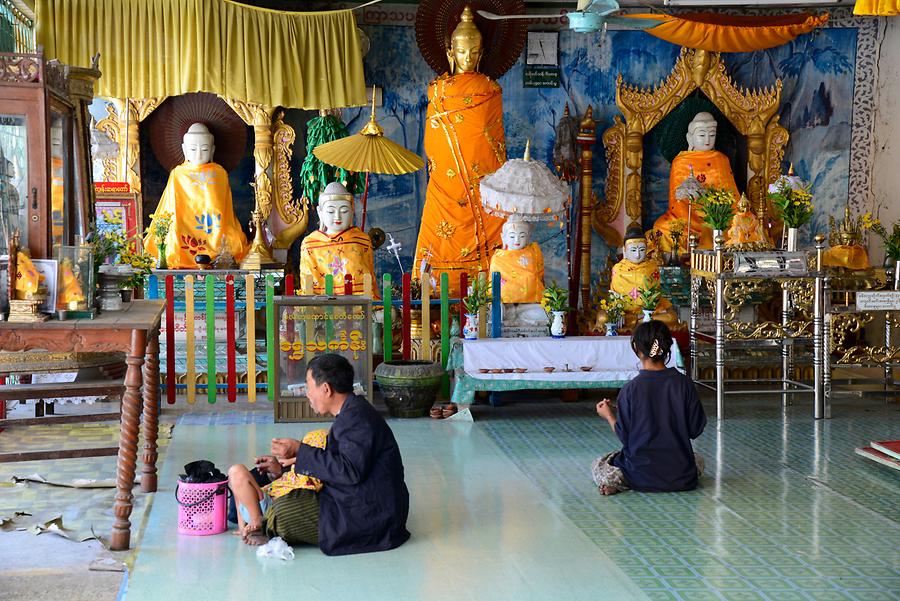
column 480, row 530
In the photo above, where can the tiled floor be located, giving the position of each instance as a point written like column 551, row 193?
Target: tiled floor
column 480, row 530
column 785, row 510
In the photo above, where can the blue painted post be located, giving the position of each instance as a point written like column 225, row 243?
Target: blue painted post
column 496, row 325
column 153, row 288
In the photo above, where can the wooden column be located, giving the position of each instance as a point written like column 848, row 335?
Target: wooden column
column 131, row 406
column 151, row 413
column 587, row 137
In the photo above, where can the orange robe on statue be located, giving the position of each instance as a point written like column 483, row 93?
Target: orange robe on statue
column 521, row 274
column 349, row 252
column 464, row 142
column 712, row 168
column 198, row 199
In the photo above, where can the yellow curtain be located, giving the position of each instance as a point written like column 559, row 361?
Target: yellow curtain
column 154, row 48
column 717, row 32
column 884, row 8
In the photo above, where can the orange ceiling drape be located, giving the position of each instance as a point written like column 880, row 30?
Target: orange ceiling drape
column 717, row 32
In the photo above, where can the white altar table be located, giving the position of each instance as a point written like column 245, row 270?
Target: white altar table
column 499, row 364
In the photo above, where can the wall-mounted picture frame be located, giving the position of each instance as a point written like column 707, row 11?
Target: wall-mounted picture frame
column 49, row 268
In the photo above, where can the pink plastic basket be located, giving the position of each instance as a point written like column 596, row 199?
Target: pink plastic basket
column 202, row 508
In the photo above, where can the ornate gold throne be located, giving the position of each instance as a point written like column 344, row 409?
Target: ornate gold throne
column 754, row 113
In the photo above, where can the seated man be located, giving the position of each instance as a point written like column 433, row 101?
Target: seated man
column 364, row 502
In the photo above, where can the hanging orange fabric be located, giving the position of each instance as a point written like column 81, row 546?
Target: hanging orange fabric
column 881, row 8
column 729, row 33
column 464, row 142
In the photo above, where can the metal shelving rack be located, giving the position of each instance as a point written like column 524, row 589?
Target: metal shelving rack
column 732, row 279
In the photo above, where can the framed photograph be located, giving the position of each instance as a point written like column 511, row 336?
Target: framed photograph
column 49, row 268
column 120, row 211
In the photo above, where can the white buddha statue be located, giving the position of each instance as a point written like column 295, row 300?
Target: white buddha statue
column 520, row 264
column 636, row 272
column 197, row 200
column 709, row 166
column 338, row 248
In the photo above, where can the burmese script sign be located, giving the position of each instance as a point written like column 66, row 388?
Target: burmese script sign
column 880, row 300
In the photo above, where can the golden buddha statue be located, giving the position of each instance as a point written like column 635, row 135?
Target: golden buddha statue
column 338, row 248
column 845, row 240
column 633, row 274
column 197, row 198
column 464, row 141
column 520, row 264
column 747, row 229
column 709, row 166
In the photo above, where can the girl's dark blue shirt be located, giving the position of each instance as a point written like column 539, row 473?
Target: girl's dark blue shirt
column 658, row 415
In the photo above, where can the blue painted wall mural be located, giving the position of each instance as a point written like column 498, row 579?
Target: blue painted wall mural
column 817, row 71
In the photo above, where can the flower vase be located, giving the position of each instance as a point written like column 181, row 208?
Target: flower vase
column 648, row 315
column 470, row 328
column 611, row 327
column 791, row 244
column 161, row 261
column 558, row 324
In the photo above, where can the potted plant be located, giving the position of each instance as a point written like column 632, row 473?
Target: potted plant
column 649, row 297
column 141, row 262
column 479, row 296
column 676, row 231
column 793, row 205
column 555, row 301
column 159, row 229
column 891, row 242
column 614, row 305
column 717, row 205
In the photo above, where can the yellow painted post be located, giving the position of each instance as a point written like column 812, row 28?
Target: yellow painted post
column 426, row 319
column 367, row 285
column 250, row 295
column 191, row 376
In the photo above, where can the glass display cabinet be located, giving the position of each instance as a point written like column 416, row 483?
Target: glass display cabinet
column 308, row 326
column 46, row 192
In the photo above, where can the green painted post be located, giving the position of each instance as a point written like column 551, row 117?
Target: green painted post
column 271, row 328
column 210, row 339
column 329, row 324
column 445, row 332
column 386, row 299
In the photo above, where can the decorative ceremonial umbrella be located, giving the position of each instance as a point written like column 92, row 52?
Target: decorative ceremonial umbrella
column 369, row 152
column 525, row 190
column 793, row 181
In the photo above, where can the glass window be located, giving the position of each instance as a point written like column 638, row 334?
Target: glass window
column 13, row 179
column 60, row 186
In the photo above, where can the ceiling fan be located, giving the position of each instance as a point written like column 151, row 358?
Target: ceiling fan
column 589, row 16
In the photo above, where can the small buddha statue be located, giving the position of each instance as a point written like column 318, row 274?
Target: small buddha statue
column 709, row 166
column 845, row 240
column 746, row 228
column 338, row 247
column 520, row 264
column 634, row 273
column 197, row 198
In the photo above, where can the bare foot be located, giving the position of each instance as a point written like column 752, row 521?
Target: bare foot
column 255, row 538
column 608, row 490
